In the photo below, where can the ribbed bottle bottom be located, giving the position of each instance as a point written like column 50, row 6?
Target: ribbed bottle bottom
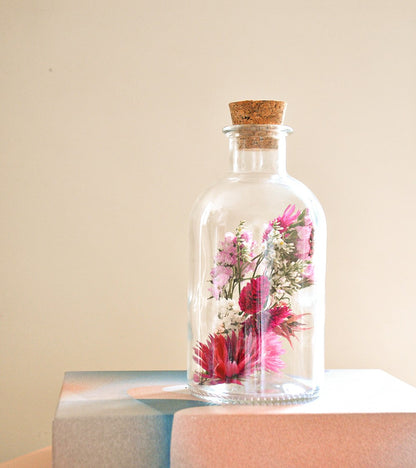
column 289, row 391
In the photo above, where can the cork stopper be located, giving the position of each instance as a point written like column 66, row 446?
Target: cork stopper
column 257, row 112
column 252, row 113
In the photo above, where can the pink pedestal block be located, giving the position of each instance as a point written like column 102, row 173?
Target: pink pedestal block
column 363, row 418
column 312, row 440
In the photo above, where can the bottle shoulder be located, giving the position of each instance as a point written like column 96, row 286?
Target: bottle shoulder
column 257, row 202
column 231, row 191
column 308, row 195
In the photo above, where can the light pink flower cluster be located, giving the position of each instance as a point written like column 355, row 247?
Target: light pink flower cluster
column 304, row 242
column 227, row 253
column 220, row 275
column 309, row 273
column 235, row 251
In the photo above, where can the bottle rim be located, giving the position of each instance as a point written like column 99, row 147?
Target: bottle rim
column 274, row 130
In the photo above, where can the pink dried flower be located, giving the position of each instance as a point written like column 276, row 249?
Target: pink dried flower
column 271, row 351
column 249, row 245
column 247, row 237
column 227, row 255
column 234, row 255
column 303, row 244
column 309, row 273
column 304, row 241
column 220, row 276
column 288, row 217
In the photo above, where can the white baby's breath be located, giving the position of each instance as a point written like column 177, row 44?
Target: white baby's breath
column 229, row 316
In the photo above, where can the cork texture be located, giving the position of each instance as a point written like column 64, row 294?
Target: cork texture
column 253, row 113
column 257, row 112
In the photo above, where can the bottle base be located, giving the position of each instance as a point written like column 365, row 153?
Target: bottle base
column 291, row 391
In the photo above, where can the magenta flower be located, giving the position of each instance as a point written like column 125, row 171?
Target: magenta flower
column 288, row 217
column 254, row 295
column 277, row 315
column 228, row 359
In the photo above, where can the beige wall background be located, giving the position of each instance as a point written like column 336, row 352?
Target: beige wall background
column 110, row 120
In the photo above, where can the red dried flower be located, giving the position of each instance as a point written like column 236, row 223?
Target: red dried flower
column 290, row 326
column 228, row 359
column 254, row 295
column 268, row 320
column 280, row 320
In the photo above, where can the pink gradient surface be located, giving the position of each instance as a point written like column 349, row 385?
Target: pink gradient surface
column 363, row 418
column 39, row 459
column 293, row 440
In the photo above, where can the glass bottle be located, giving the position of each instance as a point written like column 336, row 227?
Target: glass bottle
column 257, row 272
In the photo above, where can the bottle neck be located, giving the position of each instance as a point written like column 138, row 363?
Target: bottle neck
column 266, row 161
column 258, row 149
